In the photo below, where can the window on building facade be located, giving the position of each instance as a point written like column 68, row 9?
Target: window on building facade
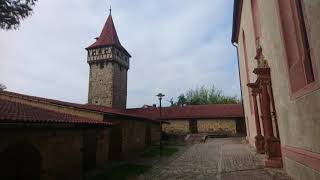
column 297, row 47
column 305, row 42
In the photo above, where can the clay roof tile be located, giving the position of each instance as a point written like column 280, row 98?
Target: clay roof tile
column 15, row 112
column 108, row 37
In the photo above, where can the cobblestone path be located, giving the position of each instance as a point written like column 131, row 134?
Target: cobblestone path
column 221, row 158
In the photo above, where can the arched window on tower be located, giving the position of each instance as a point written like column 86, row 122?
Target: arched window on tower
column 101, row 65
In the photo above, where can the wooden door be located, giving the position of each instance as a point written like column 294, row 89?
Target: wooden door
column 148, row 135
column 19, row 162
column 240, row 126
column 193, row 126
column 89, row 149
column 115, row 146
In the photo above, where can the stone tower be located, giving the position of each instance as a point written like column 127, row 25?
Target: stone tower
column 109, row 64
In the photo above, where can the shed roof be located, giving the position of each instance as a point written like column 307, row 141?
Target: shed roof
column 213, row 111
column 15, row 112
column 86, row 107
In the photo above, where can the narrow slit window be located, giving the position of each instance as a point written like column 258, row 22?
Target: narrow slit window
column 307, row 53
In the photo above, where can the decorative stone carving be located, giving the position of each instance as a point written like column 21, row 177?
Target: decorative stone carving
column 263, row 87
column 259, row 139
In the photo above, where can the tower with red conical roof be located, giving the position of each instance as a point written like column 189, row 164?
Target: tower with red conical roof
column 109, row 64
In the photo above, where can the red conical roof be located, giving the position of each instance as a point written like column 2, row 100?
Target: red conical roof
column 108, row 36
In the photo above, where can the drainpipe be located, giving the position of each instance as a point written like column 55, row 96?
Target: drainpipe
column 241, row 99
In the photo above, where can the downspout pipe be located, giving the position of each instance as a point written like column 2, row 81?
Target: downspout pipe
column 240, row 84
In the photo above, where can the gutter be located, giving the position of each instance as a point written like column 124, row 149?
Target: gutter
column 237, row 9
column 240, row 83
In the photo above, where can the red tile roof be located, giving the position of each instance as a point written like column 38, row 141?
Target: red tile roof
column 214, row 111
column 14, row 112
column 41, row 99
column 108, row 36
column 121, row 112
column 87, row 107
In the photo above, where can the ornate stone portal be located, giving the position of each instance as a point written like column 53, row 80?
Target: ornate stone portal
column 267, row 143
column 259, row 139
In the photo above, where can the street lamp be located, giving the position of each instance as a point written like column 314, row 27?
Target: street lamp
column 160, row 96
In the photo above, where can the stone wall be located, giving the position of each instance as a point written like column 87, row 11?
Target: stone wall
column 108, row 81
column 176, row 127
column 61, row 150
column 119, row 87
column 227, row 126
column 103, row 143
column 101, row 84
column 133, row 137
column 155, row 133
column 133, row 140
column 181, row 127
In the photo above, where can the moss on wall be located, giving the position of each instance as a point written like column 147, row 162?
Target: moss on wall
column 227, row 126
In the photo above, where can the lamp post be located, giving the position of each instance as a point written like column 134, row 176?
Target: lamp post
column 160, row 95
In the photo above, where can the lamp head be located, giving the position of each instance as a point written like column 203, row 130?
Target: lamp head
column 160, row 95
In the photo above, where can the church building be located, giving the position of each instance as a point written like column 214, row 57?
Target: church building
column 278, row 45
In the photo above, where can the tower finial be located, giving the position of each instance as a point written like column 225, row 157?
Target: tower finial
column 110, row 10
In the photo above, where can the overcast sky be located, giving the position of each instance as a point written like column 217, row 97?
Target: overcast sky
column 175, row 45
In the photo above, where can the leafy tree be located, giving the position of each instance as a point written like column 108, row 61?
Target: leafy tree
column 172, row 103
column 13, row 11
column 182, row 99
column 203, row 95
column 2, row 87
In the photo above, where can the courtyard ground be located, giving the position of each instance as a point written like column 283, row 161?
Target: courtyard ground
column 214, row 159
column 217, row 158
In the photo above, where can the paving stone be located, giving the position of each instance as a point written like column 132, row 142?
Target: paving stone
column 222, row 158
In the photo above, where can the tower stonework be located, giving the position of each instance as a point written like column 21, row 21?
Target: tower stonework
column 109, row 63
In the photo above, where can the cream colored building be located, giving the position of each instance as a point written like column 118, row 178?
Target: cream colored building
column 278, row 44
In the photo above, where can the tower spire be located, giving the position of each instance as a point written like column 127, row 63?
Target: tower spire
column 110, row 10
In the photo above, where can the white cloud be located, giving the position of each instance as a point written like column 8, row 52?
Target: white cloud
column 176, row 45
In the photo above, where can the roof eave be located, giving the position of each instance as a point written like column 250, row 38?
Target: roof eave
column 121, row 115
column 203, row 118
column 107, row 45
column 39, row 124
column 237, row 9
